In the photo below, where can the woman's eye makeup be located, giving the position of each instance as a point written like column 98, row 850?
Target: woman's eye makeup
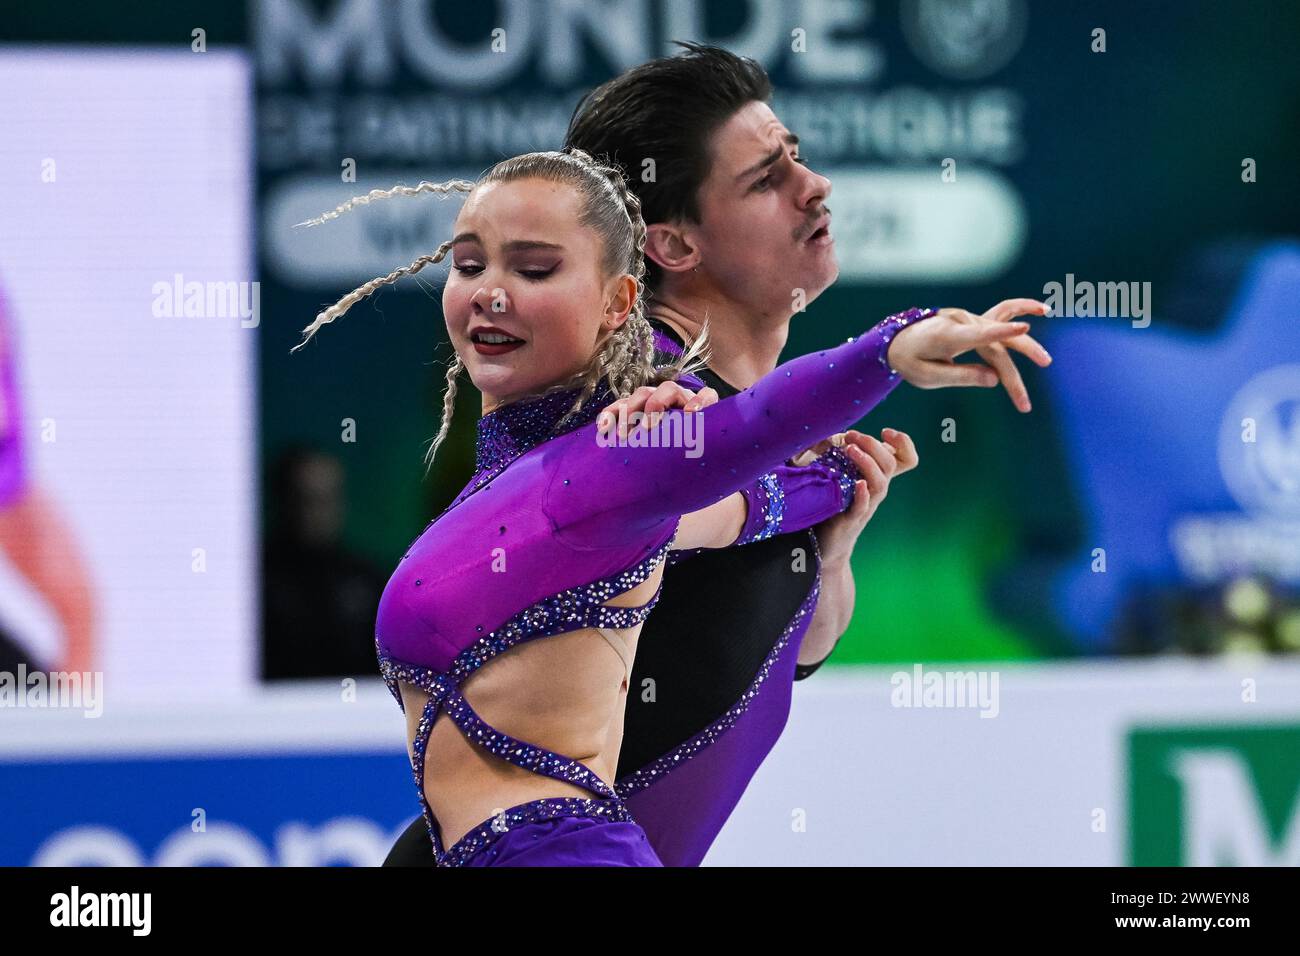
column 536, row 273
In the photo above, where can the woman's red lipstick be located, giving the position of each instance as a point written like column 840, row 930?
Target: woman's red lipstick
column 489, row 340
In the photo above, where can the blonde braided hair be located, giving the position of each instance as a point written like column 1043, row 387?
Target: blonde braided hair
column 626, row 358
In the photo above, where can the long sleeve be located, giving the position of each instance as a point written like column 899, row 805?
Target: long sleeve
column 794, row 497
column 600, row 494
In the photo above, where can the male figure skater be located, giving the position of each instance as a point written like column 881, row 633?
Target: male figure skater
column 738, row 232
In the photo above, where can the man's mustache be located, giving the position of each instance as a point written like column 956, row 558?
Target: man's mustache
column 808, row 228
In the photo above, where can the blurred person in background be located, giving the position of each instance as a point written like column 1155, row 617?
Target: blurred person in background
column 320, row 598
column 36, row 540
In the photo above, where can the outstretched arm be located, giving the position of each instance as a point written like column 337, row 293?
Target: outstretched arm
column 598, row 491
column 790, row 497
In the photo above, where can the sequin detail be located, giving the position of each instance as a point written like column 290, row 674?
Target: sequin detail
column 489, row 831
column 771, row 507
column 510, row 431
column 640, row 779
column 846, row 473
column 523, row 755
column 891, row 326
column 568, row 610
column 506, row 433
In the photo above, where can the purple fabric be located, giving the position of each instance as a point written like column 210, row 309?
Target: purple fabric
column 569, row 841
column 540, row 519
column 794, row 497
column 807, row 494
column 683, row 800
column 13, row 470
column 573, row 510
column 665, row 344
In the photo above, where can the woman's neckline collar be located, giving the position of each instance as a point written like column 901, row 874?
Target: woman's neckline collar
column 508, row 431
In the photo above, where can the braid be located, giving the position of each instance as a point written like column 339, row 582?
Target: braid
column 424, row 186
column 340, row 308
column 626, row 359
column 448, row 409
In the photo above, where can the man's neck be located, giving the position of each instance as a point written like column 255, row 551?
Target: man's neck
column 743, row 347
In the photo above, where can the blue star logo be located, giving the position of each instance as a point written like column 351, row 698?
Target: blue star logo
column 1185, row 447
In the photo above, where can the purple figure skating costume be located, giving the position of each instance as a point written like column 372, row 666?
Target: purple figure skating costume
column 13, row 472
column 579, row 523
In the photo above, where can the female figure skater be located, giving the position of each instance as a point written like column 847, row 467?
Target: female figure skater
column 561, row 535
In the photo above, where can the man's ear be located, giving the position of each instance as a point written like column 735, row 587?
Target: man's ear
column 671, row 248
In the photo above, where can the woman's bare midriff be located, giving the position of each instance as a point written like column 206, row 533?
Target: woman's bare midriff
column 565, row 693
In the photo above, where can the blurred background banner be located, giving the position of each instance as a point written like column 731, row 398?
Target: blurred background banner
column 1097, row 764
column 202, row 524
column 129, row 349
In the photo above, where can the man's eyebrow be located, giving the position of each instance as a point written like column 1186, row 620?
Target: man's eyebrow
column 790, row 139
column 514, row 245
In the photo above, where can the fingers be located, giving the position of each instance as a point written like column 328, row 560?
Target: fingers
column 967, row 337
column 876, row 479
column 904, row 449
column 1008, row 309
column 805, row 457
column 664, row 396
column 650, row 401
column 952, row 374
column 882, row 454
column 625, row 408
column 862, row 506
column 703, row 399
column 1009, row 375
column 1028, row 346
column 809, row 455
column 637, row 400
column 609, row 416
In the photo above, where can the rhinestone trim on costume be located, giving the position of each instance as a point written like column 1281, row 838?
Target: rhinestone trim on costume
column 772, row 509
column 891, row 326
column 640, row 779
column 520, row 753
column 846, row 473
column 482, row 837
column 566, row 611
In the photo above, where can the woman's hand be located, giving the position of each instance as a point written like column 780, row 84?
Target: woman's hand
column 923, row 352
column 651, row 401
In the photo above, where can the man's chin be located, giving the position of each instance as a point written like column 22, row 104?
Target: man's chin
column 820, row 279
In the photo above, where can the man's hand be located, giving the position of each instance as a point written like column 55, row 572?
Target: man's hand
column 923, row 352
column 652, row 401
column 879, row 462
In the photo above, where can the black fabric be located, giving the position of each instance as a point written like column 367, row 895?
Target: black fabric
column 719, row 615
column 804, row 671
column 413, row 847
